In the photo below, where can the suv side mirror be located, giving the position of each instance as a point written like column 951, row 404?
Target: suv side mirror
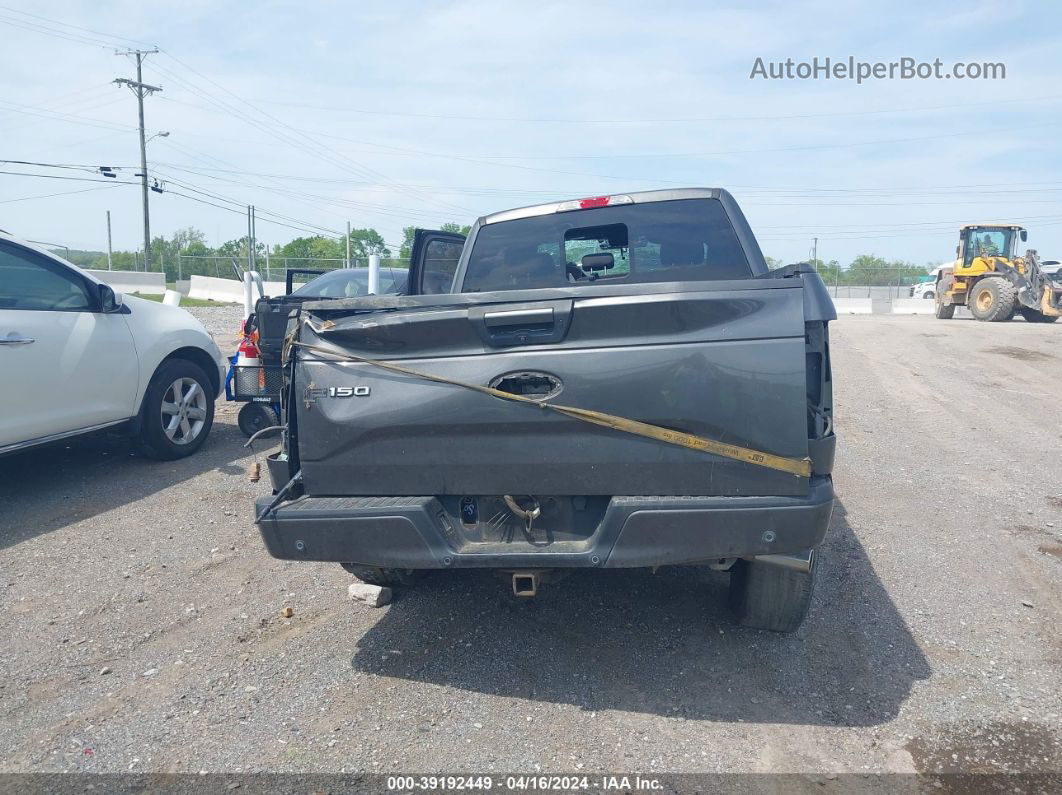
column 110, row 301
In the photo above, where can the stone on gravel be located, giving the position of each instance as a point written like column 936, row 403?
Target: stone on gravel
column 372, row 595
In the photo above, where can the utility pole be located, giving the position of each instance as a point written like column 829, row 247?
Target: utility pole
column 254, row 239
column 250, row 239
column 141, row 90
column 347, row 263
column 109, row 240
column 815, row 252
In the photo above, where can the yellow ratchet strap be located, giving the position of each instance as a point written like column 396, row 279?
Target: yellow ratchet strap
column 801, row 467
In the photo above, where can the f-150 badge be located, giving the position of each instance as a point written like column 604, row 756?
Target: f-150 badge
column 314, row 392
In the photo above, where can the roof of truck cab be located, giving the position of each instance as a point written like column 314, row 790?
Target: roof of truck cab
column 637, row 197
column 983, row 226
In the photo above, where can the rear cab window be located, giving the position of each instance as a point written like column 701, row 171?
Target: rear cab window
column 660, row 241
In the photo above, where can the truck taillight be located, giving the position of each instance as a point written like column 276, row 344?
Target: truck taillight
column 592, row 202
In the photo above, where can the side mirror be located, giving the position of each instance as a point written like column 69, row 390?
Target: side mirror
column 957, row 250
column 1024, row 235
column 110, row 301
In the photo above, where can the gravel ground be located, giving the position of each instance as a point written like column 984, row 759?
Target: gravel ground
column 142, row 620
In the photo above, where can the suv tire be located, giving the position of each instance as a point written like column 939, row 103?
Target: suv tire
column 769, row 596
column 177, row 412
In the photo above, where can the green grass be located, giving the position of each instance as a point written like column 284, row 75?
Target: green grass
column 186, row 301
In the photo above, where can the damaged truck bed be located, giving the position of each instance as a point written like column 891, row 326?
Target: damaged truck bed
column 609, row 382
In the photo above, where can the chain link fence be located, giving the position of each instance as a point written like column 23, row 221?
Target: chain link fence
column 873, row 283
column 890, row 282
column 273, row 269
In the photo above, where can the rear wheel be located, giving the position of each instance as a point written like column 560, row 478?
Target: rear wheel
column 769, row 596
column 1035, row 316
column 178, row 411
column 993, row 299
column 944, row 311
column 374, row 575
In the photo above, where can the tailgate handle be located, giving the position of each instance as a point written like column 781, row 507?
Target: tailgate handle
column 539, row 323
column 520, row 326
column 519, row 317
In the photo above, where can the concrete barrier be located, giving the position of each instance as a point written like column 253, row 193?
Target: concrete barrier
column 183, row 286
column 852, row 306
column 881, row 306
column 211, row 288
column 913, row 306
column 132, row 281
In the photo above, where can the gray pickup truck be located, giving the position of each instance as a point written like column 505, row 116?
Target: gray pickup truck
column 609, row 382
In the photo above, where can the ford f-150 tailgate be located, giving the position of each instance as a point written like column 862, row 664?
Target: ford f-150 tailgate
column 735, row 361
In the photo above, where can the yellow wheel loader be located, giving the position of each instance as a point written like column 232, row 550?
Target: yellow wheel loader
column 992, row 282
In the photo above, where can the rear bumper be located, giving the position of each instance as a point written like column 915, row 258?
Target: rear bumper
column 416, row 533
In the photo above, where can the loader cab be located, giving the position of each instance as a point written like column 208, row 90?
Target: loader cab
column 978, row 243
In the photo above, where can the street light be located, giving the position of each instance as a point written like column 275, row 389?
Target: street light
column 158, row 135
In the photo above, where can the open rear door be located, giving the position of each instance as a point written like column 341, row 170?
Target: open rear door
column 433, row 261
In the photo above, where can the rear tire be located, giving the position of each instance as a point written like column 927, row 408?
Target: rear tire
column 1035, row 316
column 993, row 299
column 772, row 597
column 929, row 295
column 944, row 311
column 178, row 411
column 391, row 578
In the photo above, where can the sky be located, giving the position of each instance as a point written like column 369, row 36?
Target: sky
column 395, row 114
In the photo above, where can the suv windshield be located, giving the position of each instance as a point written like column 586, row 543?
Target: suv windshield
column 681, row 240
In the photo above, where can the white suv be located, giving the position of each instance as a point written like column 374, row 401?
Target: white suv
column 75, row 357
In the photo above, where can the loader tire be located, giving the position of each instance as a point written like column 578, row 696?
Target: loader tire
column 1035, row 316
column 944, row 311
column 374, row 575
column 993, row 300
column 768, row 596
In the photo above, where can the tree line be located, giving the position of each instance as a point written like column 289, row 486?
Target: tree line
column 866, row 270
column 190, row 243
column 199, row 258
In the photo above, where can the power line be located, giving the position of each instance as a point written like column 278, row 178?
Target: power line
column 65, row 117
column 389, row 210
column 240, row 212
column 307, row 227
column 258, row 210
column 77, row 179
column 62, row 193
column 651, row 120
column 68, row 25
column 292, row 138
column 1026, row 187
column 35, row 28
